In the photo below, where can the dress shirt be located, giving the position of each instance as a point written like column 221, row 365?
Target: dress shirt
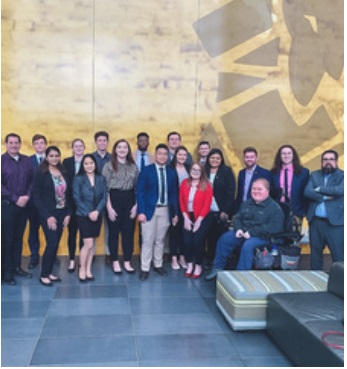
column 16, row 177
column 290, row 180
column 101, row 160
column 321, row 210
column 139, row 156
column 214, row 205
column 248, row 178
column 39, row 158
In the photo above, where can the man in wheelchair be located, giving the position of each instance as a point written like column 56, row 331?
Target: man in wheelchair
column 258, row 219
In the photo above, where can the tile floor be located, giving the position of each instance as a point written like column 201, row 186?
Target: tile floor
column 121, row 321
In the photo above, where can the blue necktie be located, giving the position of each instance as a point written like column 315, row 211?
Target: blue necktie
column 142, row 161
column 162, row 186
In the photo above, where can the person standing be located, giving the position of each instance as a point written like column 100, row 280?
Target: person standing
column 121, row 176
column 89, row 193
column 195, row 197
column 250, row 173
column 16, row 186
column 39, row 143
column 325, row 191
column 157, row 202
column 141, row 156
column 203, row 150
column 52, row 198
column 102, row 157
column 173, row 141
column 222, row 180
column 289, row 178
column 72, row 166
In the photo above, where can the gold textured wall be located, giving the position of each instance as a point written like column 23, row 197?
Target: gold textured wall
column 238, row 73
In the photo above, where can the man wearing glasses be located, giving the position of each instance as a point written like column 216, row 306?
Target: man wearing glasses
column 325, row 191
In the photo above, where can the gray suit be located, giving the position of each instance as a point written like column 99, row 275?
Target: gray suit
column 328, row 229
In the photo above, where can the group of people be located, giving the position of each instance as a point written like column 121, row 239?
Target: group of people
column 177, row 201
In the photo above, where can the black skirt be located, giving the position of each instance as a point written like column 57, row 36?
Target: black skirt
column 88, row 228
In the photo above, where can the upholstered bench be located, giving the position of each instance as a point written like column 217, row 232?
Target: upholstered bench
column 242, row 295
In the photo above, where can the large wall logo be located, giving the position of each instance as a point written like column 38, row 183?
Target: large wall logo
column 283, row 76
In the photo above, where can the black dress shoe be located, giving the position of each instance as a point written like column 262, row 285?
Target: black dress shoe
column 143, row 275
column 22, row 273
column 49, row 284
column 71, row 270
column 10, row 281
column 92, row 278
column 33, row 264
column 83, row 280
column 160, row 271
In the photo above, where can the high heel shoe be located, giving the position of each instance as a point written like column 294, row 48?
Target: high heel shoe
column 197, row 272
column 189, row 271
column 91, row 278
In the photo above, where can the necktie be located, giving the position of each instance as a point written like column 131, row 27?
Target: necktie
column 142, row 161
column 40, row 159
column 286, row 191
column 162, row 186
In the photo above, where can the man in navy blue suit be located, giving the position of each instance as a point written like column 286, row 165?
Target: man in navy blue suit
column 248, row 175
column 157, row 207
column 39, row 143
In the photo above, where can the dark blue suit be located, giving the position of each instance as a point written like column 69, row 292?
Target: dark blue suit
column 259, row 172
column 34, row 221
column 298, row 201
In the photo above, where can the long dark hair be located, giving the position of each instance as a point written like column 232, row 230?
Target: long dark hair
column 82, row 171
column 277, row 165
column 114, row 159
column 44, row 166
column 174, row 159
column 207, row 163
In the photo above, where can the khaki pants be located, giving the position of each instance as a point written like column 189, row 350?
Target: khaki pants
column 153, row 239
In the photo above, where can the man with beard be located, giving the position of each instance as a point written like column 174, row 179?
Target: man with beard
column 325, row 191
column 248, row 175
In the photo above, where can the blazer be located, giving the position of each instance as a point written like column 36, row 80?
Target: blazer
column 148, row 191
column 259, row 172
column 87, row 198
column 201, row 202
column 35, row 164
column 298, row 201
column 44, row 194
column 316, row 190
column 224, row 189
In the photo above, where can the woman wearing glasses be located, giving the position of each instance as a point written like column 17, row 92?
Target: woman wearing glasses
column 195, row 201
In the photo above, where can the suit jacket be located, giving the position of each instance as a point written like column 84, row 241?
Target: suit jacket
column 35, row 164
column 201, row 202
column 224, row 189
column 69, row 167
column 87, row 198
column 148, row 191
column 334, row 188
column 259, row 172
column 298, row 201
column 44, row 194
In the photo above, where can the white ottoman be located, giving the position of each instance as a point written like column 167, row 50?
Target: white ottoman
column 242, row 295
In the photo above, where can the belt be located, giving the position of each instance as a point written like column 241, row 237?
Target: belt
column 161, row 206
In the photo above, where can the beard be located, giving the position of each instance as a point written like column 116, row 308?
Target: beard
column 328, row 170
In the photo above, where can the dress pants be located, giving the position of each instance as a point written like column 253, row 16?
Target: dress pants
column 323, row 233
column 229, row 242
column 122, row 202
column 13, row 220
column 33, row 239
column 217, row 228
column 72, row 236
column 52, row 242
column 176, row 237
column 194, row 242
column 153, row 239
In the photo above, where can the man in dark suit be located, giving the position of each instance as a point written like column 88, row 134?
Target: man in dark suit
column 248, row 175
column 157, row 207
column 325, row 191
column 72, row 166
column 39, row 143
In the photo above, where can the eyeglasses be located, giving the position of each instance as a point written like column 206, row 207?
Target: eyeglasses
column 195, row 170
column 328, row 159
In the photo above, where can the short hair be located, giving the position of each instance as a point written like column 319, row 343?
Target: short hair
column 204, row 143
column 77, row 139
column 264, row 181
column 13, row 135
column 331, row 152
column 173, row 133
column 100, row 134
column 161, row 146
column 37, row 137
column 250, row 149
column 142, row 134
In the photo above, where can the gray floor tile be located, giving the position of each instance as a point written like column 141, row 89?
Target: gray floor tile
column 152, row 324
column 21, row 328
column 87, row 326
column 214, row 310
column 193, row 363
column 267, row 362
column 168, row 305
column 89, row 291
column 81, row 307
column 24, row 309
column 185, row 347
column 206, row 288
column 114, row 364
column 17, row 352
column 144, row 289
column 84, row 350
column 23, row 293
